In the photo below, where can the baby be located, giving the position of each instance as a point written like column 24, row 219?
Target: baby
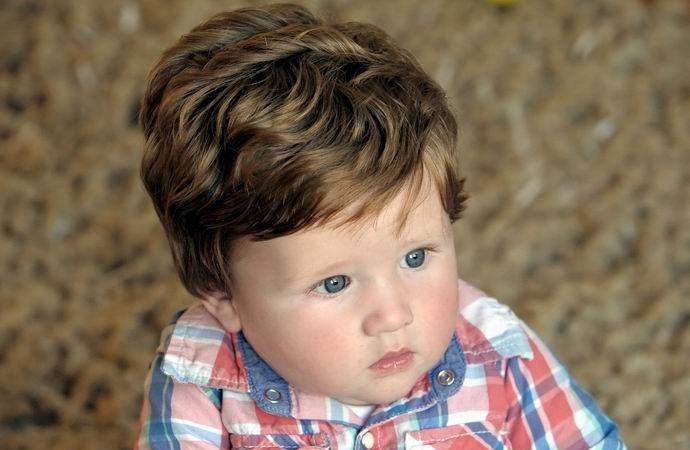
column 306, row 177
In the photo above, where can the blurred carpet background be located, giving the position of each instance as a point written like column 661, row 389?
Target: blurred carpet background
column 575, row 138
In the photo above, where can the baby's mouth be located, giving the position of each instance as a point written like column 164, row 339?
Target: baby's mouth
column 393, row 361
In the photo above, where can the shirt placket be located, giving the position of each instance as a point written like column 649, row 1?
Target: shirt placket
column 445, row 380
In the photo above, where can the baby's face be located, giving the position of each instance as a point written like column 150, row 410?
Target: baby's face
column 323, row 307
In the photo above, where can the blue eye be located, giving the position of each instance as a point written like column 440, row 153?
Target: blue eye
column 415, row 258
column 332, row 285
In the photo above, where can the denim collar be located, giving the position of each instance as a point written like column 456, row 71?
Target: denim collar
column 273, row 394
column 269, row 390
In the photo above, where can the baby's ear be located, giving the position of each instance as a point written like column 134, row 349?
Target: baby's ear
column 221, row 306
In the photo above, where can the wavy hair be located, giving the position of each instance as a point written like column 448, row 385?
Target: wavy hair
column 265, row 121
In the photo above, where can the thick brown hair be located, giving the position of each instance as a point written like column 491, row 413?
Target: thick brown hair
column 264, row 121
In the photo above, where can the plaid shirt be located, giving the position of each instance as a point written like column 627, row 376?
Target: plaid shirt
column 497, row 387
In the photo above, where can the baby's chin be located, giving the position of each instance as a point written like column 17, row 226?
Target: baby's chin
column 374, row 399
column 378, row 394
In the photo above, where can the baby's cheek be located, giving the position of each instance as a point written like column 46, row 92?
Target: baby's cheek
column 334, row 346
column 440, row 310
column 324, row 365
column 324, row 344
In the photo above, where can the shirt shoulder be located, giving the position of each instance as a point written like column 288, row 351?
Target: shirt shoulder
column 487, row 329
column 197, row 349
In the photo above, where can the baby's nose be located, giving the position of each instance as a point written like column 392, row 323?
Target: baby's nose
column 389, row 312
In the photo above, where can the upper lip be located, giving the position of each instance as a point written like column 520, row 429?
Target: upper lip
column 394, row 354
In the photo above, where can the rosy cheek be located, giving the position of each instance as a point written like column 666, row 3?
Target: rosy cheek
column 451, row 296
column 321, row 363
column 316, row 336
column 442, row 307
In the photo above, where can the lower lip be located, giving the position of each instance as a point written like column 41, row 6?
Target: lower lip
column 391, row 365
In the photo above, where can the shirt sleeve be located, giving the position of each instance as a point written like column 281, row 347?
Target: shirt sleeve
column 179, row 416
column 549, row 410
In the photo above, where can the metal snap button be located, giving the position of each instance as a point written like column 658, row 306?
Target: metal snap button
column 272, row 395
column 446, row 377
column 368, row 440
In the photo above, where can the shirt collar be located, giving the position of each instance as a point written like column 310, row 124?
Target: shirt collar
column 274, row 395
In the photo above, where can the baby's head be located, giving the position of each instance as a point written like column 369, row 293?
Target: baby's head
column 305, row 175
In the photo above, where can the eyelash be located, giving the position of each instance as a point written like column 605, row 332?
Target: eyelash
column 427, row 250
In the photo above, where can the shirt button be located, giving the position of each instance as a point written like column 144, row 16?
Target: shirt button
column 368, row 440
column 446, row 377
column 272, row 395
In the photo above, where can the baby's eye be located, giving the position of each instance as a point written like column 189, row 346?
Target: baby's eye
column 332, row 285
column 415, row 258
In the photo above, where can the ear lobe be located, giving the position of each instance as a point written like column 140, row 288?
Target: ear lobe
column 221, row 306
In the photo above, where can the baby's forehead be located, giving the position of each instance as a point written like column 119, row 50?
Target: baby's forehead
column 424, row 219
column 410, row 208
